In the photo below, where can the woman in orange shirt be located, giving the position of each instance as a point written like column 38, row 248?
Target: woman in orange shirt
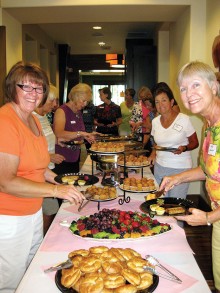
column 24, row 176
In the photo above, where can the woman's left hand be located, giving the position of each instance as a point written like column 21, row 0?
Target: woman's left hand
column 56, row 158
column 196, row 218
column 180, row 150
column 89, row 137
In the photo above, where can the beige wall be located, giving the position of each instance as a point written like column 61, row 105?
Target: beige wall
column 212, row 28
column 13, row 39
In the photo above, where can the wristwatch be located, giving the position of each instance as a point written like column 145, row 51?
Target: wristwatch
column 78, row 134
column 207, row 220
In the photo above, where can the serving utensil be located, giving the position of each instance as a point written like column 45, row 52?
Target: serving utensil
column 83, row 205
column 154, row 262
column 159, row 192
column 62, row 265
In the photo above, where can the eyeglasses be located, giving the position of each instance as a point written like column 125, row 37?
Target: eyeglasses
column 28, row 88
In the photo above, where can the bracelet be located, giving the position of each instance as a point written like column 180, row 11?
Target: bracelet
column 207, row 220
column 55, row 192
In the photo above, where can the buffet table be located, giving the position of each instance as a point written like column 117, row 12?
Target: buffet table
column 170, row 248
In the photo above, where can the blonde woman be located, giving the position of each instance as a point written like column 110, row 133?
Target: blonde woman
column 68, row 124
column 200, row 93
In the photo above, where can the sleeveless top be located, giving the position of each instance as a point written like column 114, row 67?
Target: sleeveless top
column 74, row 123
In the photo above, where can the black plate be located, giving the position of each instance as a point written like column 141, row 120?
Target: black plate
column 165, row 149
column 169, row 202
column 91, row 178
column 70, row 290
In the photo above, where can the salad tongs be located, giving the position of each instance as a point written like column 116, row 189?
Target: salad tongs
column 63, row 265
column 154, row 262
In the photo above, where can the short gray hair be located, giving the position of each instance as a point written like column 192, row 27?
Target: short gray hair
column 200, row 69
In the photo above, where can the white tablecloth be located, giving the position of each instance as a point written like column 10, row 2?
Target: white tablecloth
column 170, row 248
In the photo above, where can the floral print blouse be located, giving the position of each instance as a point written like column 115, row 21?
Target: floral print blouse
column 210, row 163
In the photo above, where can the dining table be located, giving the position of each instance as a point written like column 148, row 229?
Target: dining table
column 171, row 249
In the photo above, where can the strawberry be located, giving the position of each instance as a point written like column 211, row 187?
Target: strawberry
column 135, row 224
column 115, row 230
column 81, row 226
column 144, row 228
column 127, row 216
column 126, row 222
column 124, row 229
column 94, row 231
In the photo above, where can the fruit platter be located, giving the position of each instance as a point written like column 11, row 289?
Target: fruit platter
column 115, row 224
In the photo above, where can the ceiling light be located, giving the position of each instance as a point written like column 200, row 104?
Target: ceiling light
column 97, row 27
column 101, row 44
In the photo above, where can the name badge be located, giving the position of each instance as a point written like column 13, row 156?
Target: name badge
column 101, row 107
column 72, row 122
column 85, row 111
column 212, row 149
column 177, row 127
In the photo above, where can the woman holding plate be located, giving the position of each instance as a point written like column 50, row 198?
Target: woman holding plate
column 200, row 93
column 171, row 129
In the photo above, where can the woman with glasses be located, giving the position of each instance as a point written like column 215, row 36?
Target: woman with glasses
column 24, row 178
column 68, row 125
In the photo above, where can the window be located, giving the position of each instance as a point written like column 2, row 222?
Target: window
column 116, row 90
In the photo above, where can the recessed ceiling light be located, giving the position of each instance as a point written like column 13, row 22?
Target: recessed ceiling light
column 97, row 27
column 101, row 44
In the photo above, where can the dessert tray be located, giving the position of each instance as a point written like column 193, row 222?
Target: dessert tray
column 172, row 206
column 136, row 191
column 138, row 185
column 101, row 194
column 117, row 225
column 77, row 179
column 101, row 268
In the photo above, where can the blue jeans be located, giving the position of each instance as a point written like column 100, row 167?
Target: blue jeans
column 179, row 191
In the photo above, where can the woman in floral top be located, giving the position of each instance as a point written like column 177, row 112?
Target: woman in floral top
column 200, row 93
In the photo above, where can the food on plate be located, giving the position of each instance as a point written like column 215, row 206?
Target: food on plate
column 105, row 269
column 131, row 160
column 141, row 184
column 67, row 178
column 81, row 182
column 160, row 211
column 108, row 147
column 175, row 210
column 102, row 193
column 150, row 196
column 70, row 181
column 117, row 224
column 153, row 207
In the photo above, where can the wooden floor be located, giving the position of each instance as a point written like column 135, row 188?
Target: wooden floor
column 199, row 239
